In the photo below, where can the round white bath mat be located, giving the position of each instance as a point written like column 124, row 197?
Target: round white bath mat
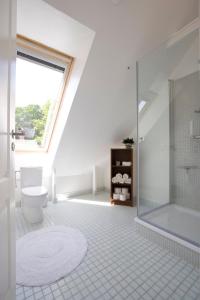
column 46, row 255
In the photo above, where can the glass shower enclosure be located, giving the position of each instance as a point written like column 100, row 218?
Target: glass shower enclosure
column 169, row 138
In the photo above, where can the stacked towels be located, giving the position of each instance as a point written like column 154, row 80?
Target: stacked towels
column 121, row 194
column 126, row 163
column 119, row 178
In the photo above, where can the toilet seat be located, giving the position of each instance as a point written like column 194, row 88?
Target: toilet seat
column 34, row 191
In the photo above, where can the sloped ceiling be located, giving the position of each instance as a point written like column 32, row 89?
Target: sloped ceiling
column 103, row 111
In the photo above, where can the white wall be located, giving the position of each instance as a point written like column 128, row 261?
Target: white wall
column 41, row 22
column 74, row 185
column 103, row 112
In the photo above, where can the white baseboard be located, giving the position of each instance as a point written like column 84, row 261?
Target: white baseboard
column 101, row 190
column 68, row 195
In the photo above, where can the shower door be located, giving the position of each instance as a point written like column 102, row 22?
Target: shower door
column 169, row 138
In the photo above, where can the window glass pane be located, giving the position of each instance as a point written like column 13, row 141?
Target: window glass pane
column 37, row 92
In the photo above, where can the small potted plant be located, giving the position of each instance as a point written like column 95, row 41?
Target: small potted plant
column 128, row 142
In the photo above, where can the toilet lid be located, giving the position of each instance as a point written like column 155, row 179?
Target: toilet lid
column 34, row 191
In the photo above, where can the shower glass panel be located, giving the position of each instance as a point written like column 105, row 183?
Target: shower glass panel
column 169, row 138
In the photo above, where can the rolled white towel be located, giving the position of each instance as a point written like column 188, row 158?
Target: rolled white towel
column 128, row 181
column 125, row 176
column 118, row 176
column 114, row 180
column 121, row 181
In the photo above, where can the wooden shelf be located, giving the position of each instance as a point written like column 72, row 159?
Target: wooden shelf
column 122, row 155
column 119, row 202
column 122, row 184
column 121, row 166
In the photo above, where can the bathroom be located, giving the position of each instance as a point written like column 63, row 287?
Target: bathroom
column 61, row 235
column 168, row 204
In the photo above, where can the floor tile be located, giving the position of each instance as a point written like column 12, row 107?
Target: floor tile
column 119, row 263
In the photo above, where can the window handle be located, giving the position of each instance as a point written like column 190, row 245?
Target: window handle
column 14, row 134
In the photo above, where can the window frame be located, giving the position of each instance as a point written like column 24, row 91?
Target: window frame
column 53, row 54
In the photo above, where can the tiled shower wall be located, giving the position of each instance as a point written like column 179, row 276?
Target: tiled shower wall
column 185, row 151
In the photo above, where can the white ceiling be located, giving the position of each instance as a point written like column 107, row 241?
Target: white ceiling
column 147, row 21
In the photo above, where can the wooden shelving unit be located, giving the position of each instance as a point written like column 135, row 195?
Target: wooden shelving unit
column 120, row 155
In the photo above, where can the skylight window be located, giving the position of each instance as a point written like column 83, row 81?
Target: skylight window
column 40, row 81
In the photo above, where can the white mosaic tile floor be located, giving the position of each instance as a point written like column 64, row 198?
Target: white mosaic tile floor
column 119, row 264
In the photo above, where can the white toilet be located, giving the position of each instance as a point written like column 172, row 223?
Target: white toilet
column 33, row 194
